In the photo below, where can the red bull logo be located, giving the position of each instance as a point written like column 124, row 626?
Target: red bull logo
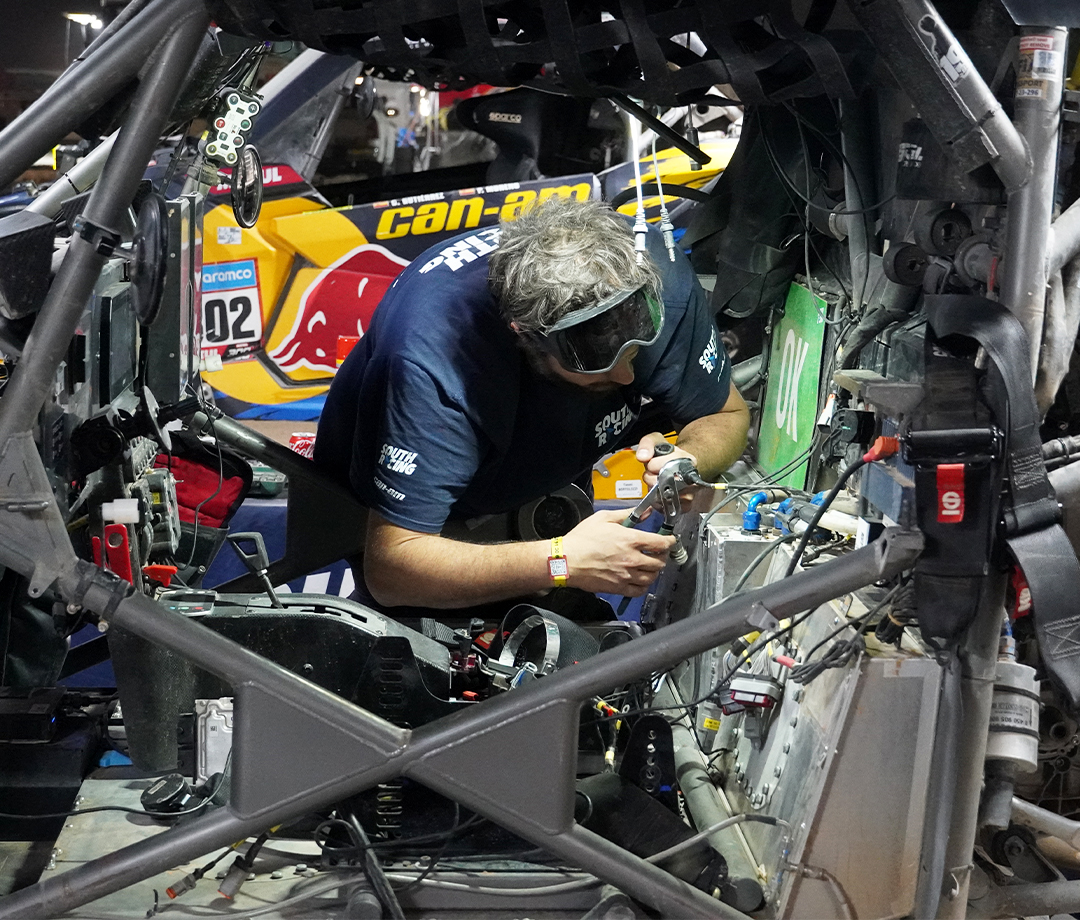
column 339, row 302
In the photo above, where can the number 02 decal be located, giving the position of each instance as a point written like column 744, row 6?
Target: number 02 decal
column 231, row 310
column 229, row 321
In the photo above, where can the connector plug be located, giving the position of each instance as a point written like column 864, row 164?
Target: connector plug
column 234, row 879
column 882, row 447
column 185, row 884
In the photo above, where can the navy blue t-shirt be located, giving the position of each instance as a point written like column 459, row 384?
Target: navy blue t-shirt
column 436, row 413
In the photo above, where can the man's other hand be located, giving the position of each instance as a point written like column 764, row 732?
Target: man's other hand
column 605, row 557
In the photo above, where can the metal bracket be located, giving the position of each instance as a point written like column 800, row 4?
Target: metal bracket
column 33, row 540
column 105, row 240
column 1070, row 105
column 761, row 618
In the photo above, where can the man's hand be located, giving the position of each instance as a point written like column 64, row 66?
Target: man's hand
column 603, row 556
column 646, row 452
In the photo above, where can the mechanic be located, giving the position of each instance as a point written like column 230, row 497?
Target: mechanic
column 498, row 368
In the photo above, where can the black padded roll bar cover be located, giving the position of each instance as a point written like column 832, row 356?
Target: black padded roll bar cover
column 26, row 246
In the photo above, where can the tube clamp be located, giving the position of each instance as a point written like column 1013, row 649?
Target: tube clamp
column 104, row 239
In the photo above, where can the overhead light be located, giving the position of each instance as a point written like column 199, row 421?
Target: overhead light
column 85, row 19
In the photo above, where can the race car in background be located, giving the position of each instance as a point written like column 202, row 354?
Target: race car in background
column 283, row 301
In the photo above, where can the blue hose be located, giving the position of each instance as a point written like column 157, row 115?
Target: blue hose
column 751, row 519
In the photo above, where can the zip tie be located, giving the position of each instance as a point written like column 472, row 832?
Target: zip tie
column 666, row 227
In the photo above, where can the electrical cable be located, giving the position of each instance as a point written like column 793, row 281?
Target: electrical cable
column 671, row 189
column 849, row 173
column 194, row 910
column 538, row 891
column 641, row 226
column 838, row 153
column 719, row 826
column 841, row 481
column 812, row 555
column 760, row 642
column 123, row 808
column 807, row 671
column 212, row 495
column 666, row 227
column 768, row 480
column 384, row 891
column 752, row 650
column 189, row 881
column 433, row 861
column 796, row 210
column 824, row 314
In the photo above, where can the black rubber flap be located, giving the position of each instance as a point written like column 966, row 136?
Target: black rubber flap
column 26, row 245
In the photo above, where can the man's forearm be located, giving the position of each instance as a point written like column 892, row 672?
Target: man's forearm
column 403, row 567
column 717, row 441
column 426, row 570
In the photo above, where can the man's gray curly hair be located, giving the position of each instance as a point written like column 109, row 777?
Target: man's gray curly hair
column 561, row 255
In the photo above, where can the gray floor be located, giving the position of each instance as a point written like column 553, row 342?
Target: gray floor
column 286, row 870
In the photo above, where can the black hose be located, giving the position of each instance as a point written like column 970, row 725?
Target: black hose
column 650, row 188
column 822, row 508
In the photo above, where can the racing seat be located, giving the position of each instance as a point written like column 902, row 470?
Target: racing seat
column 539, row 134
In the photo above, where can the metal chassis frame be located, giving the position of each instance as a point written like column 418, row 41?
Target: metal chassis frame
column 530, row 736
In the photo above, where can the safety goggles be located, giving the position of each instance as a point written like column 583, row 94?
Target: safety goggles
column 593, row 339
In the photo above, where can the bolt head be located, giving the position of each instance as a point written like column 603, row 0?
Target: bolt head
column 1013, row 847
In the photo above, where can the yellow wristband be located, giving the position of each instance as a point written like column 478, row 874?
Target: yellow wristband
column 558, row 568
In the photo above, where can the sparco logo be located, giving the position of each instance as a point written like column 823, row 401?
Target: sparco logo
column 510, row 117
column 397, row 460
